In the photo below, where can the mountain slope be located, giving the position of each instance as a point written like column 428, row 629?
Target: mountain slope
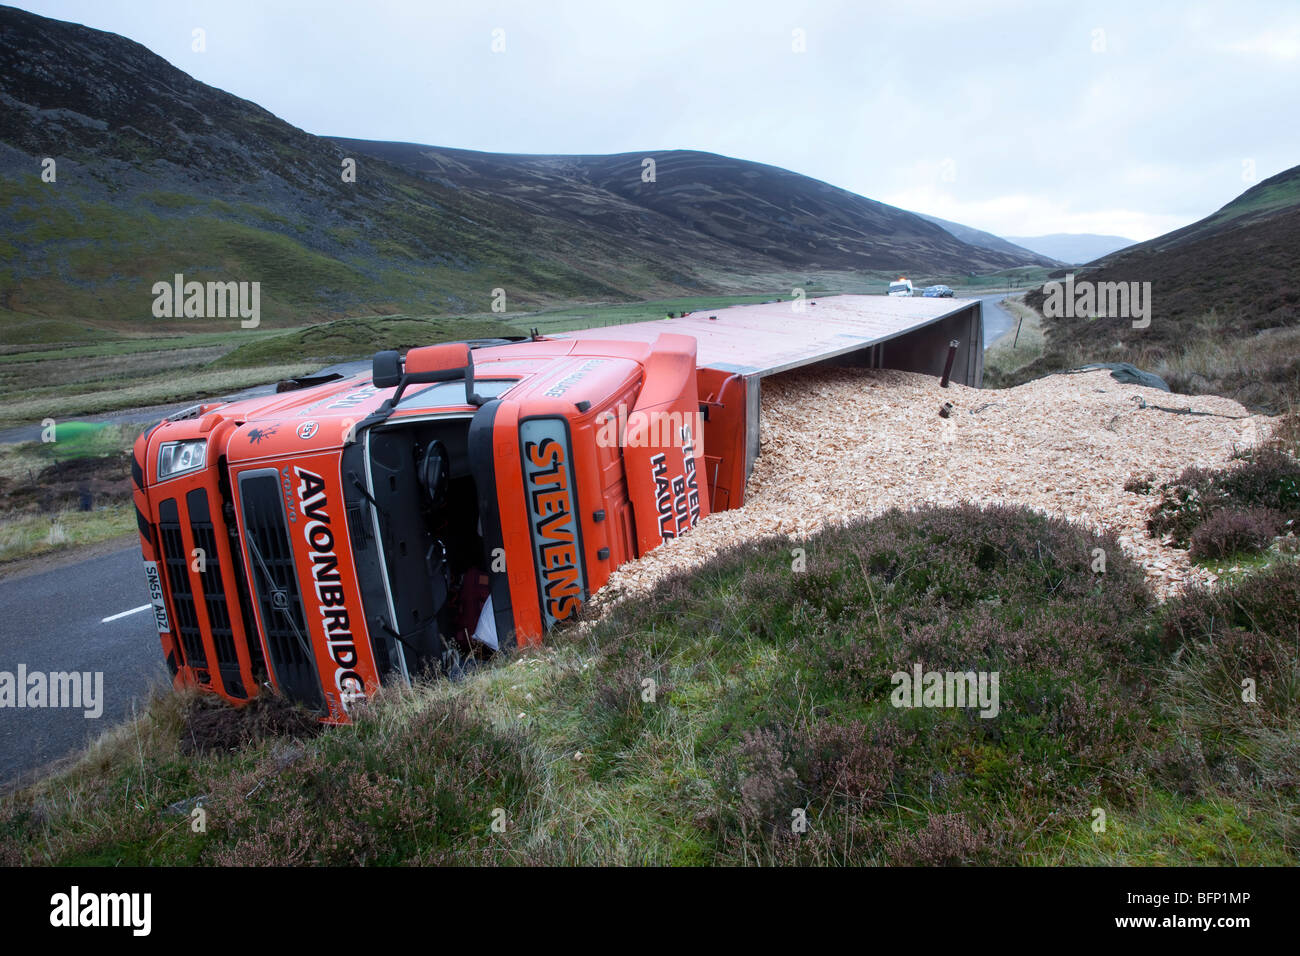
column 1225, row 303
column 763, row 212
column 1072, row 247
column 1277, row 195
column 986, row 240
column 159, row 174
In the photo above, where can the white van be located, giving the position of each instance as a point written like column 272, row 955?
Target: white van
column 901, row 287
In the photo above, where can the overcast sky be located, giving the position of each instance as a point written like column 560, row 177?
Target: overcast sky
column 1127, row 118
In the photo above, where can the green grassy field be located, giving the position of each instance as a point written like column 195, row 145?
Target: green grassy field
column 69, row 374
column 29, row 535
column 745, row 713
column 42, row 485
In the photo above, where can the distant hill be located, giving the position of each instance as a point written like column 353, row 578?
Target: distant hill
column 1225, row 303
column 986, row 240
column 758, row 213
column 1072, row 248
column 1276, row 195
column 159, row 174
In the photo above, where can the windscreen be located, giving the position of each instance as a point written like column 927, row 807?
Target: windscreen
column 452, row 394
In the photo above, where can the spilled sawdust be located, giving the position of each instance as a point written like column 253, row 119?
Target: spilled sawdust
column 840, row 444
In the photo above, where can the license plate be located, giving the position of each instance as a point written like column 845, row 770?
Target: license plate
column 156, row 596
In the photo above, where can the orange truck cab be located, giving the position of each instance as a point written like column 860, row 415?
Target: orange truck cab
column 345, row 533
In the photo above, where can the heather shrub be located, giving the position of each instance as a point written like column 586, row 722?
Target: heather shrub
column 766, row 785
column 1140, row 484
column 746, row 712
column 946, row 839
column 422, row 790
column 1268, row 479
column 1285, row 436
column 1234, row 688
column 1265, row 603
column 784, row 679
column 1232, row 531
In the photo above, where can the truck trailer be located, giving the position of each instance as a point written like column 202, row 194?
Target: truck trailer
column 464, row 499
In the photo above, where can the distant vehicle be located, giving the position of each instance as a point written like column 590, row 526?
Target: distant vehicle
column 901, row 287
column 937, row 292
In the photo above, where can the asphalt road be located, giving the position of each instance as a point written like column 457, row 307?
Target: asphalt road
column 996, row 319
column 53, row 620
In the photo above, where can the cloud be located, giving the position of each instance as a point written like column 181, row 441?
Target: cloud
column 1274, row 44
column 1023, row 214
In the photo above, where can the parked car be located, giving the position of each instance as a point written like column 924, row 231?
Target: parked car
column 901, row 287
column 937, row 292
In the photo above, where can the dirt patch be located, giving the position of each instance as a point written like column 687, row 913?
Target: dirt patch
column 213, row 726
column 68, row 484
column 845, row 443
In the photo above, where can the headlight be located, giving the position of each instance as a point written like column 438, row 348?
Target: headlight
column 177, row 457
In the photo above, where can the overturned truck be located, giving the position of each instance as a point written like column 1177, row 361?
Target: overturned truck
column 464, row 499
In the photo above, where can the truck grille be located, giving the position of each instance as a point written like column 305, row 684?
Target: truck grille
column 204, row 535
column 215, row 586
column 275, row 583
column 177, row 566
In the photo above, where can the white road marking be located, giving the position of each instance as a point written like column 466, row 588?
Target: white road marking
column 134, row 610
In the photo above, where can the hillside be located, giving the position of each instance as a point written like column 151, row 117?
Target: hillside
column 986, row 240
column 1225, row 303
column 761, row 213
column 1072, row 247
column 159, row 174
column 1277, row 195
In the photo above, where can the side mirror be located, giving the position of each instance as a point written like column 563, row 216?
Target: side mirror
column 386, row 369
column 429, row 363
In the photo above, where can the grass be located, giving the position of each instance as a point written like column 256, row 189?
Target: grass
column 69, row 441
column 1260, row 370
column 42, row 486
column 1165, row 830
column 36, row 461
column 688, row 727
column 337, row 341
column 69, row 399
column 1210, row 354
column 60, row 378
column 1022, row 277
column 30, row 535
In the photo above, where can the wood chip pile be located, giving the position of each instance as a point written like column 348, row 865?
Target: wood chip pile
column 839, row 444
